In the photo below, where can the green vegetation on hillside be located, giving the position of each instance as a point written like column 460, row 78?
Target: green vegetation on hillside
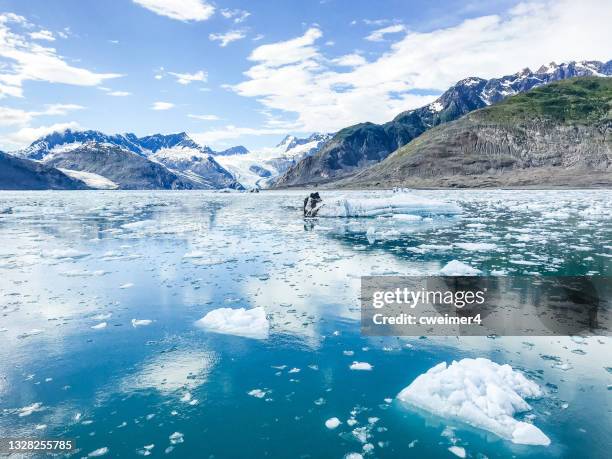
column 577, row 100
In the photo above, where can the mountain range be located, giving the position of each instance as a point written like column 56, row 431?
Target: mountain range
column 94, row 159
column 357, row 147
column 359, row 155
column 559, row 134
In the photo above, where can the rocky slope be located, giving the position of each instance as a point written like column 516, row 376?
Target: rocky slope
column 556, row 135
column 24, row 174
column 128, row 170
column 357, row 147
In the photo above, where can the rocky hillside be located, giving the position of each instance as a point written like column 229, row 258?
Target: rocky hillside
column 23, row 174
column 128, row 170
column 357, row 147
column 556, row 135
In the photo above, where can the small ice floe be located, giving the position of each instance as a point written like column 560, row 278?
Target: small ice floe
column 294, row 370
column 60, row 254
column 476, row 246
column 196, row 254
column 128, row 285
column 28, row 410
column 33, row 332
column 384, row 206
column 98, row 452
column 99, row 326
column 481, row 393
column 103, row 316
column 176, row 437
column 332, row 423
column 250, row 323
column 257, row 393
column 146, row 450
column 353, row 456
column 363, row 366
column 458, row 451
column 457, row 268
column 141, row 322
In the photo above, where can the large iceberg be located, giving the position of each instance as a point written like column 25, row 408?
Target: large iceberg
column 481, row 393
column 385, row 206
column 251, row 323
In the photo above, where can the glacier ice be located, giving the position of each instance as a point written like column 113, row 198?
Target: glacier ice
column 481, row 393
column 250, row 323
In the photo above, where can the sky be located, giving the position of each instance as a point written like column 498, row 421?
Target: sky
column 232, row 72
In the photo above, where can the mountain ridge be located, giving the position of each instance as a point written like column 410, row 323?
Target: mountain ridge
column 359, row 146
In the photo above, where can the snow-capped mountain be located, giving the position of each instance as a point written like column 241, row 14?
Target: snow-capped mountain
column 176, row 152
column 259, row 169
column 360, row 146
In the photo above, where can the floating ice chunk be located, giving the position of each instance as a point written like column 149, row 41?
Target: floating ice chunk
column 196, row 254
column 257, row 393
column 481, row 393
column 294, row 370
column 103, row 316
column 99, row 326
column 28, row 410
column 176, row 437
column 99, row 452
column 353, row 456
column 33, row 332
column 251, row 323
column 374, row 207
column 128, row 285
column 476, row 246
column 59, row 254
column 457, row 451
column 332, row 423
column 364, row 366
column 139, row 225
column 141, row 322
column 457, row 268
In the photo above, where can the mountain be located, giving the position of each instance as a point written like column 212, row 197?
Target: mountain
column 555, row 135
column 362, row 145
column 24, row 174
column 259, row 169
column 177, row 152
column 128, row 170
column 238, row 150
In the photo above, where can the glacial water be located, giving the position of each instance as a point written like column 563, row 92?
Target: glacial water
column 72, row 261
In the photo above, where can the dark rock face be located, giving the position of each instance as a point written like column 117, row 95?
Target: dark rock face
column 360, row 146
column 262, row 172
column 556, row 135
column 23, row 174
column 312, row 204
column 128, row 170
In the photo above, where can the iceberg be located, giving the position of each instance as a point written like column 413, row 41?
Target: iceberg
column 457, row 268
column 385, row 206
column 481, row 393
column 250, row 323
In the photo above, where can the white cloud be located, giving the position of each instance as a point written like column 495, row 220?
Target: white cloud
column 182, row 10
column 14, row 116
column 236, row 15
column 25, row 60
column 119, row 93
column 232, row 132
column 42, row 35
column 204, row 117
column 186, row 78
column 227, row 37
column 350, row 60
column 379, row 34
column 27, row 135
column 162, row 106
column 296, row 78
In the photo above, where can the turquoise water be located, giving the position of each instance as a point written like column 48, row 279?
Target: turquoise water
column 72, row 260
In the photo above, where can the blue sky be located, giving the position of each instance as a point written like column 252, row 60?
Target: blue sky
column 239, row 72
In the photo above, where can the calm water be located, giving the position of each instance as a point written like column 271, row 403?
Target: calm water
column 72, row 260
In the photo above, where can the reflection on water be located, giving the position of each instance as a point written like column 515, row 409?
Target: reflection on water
column 72, row 261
